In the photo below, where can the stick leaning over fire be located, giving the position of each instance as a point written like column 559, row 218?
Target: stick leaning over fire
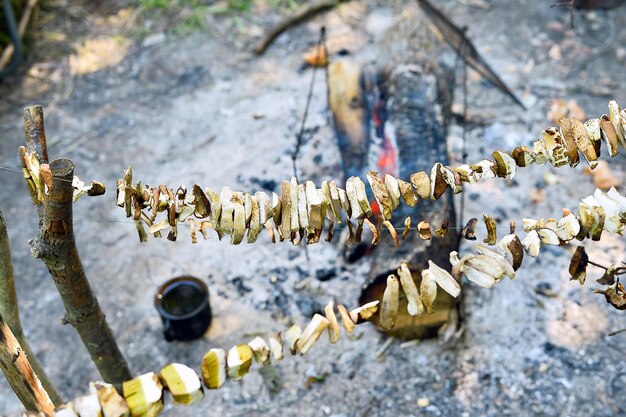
column 302, row 210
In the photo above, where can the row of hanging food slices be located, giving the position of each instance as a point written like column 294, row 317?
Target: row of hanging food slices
column 303, row 210
column 143, row 396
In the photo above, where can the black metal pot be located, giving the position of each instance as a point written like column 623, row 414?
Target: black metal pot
column 183, row 304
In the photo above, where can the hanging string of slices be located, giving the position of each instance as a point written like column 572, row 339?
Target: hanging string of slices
column 144, row 396
column 303, row 211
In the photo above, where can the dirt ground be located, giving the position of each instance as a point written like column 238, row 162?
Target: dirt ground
column 200, row 108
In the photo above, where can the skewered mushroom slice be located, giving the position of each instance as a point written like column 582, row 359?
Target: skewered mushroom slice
column 374, row 230
column 444, row 279
column 285, row 215
column 532, row 243
column 555, row 146
column 499, row 260
column 238, row 361
column 216, row 206
column 292, row 335
column 345, row 203
column 614, row 117
column 226, row 223
column 592, row 126
column 214, row 368
column 585, row 144
column 311, row 333
column 88, row 406
column 276, row 346
column 622, row 122
column 613, row 222
column 277, row 209
column 391, row 301
column 609, row 135
column 438, row 184
column 592, row 217
column 65, row 410
column 293, row 196
column 346, row 321
column 490, row 224
column 407, row 228
column 483, row 170
column 465, row 173
column 353, row 198
column 394, row 190
column 314, row 207
column 578, row 265
column 423, row 230
column 201, row 203
column 362, row 196
column 415, row 306
column 365, row 312
column 470, row 229
column 392, row 232
column 144, row 395
column 421, row 182
column 381, row 194
column 505, row 165
column 255, row 220
column 514, row 250
column 452, row 178
column 523, row 156
column 443, row 230
column 239, row 218
column 479, row 278
column 408, row 193
column 333, row 325
column 112, row 403
column 540, row 153
column 260, row 350
column 335, row 201
column 428, row 290
column 303, row 209
column 182, row 382
column 567, row 133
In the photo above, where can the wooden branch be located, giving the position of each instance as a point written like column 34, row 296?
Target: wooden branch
column 20, row 375
column 56, row 246
column 21, row 28
column 35, row 133
column 305, row 12
column 9, row 309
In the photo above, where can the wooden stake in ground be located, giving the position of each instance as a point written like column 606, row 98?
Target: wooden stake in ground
column 9, row 309
column 56, row 246
column 20, row 375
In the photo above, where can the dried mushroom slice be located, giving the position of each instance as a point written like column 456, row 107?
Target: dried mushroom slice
column 303, row 209
column 592, row 126
column 408, row 193
column 294, row 219
column 392, row 232
column 276, row 346
column 469, row 232
column 567, row 133
column 374, row 230
column 423, row 230
column 335, row 201
column 393, row 187
column 362, row 196
column 277, row 209
column 239, row 361
column 256, row 226
column 346, row 321
column 592, row 217
column 585, row 144
column 421, row 182
column 415, row 306
column 532, row 243
column 443, row 230
column 490, row 224
column 614, row 117
column 183, row 383
column 214, row 368
column 438, row 184
column 239, row 218
column 201, row 202
column 364, row 313
column 555, row 146
column 505, row 165
column 353, row 198
column 484, row 170
column 615, row 295
column 452, row 178
column 380, row 194
column 345, row 203
column 333, row 325
column 465, row 172
column 314, row 207
column 260, row 350
column 216, row 206
column 578, row 265
column 428, row 290
column 407, row 228
column 609, row 135
column 111, row 402
column 144, row 395
column 88, row 406
column 285, row 203
column 523, row 156
column 390, row 304
column 514, row 249
column 540, row 153
column 226, row 223
column 311, row 333
column 292, row 335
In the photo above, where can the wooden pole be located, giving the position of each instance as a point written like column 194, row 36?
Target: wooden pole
column 56, row 246
column 9, row 309
column 19, row 373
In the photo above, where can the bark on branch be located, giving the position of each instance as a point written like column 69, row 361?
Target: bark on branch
column 19, row 373
column 9, row 309
column 55, row 245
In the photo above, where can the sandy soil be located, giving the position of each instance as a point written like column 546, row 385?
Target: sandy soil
column 181, row 111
